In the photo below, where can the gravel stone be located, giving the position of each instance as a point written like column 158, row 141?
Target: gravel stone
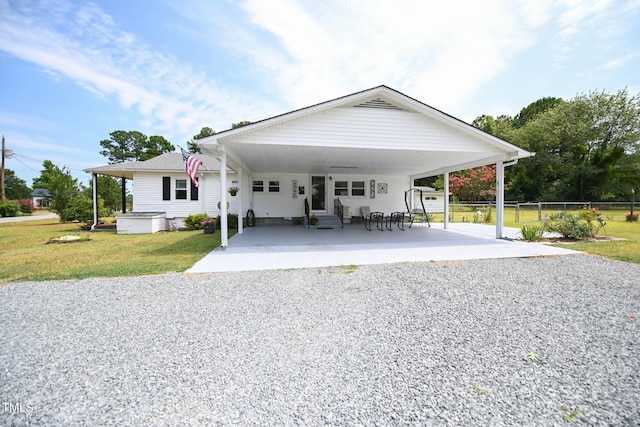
column 503, row 342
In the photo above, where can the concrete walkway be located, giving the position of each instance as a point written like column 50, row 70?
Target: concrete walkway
column 286, row 247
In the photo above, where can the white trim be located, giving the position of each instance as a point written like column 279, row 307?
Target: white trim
column 240, row 207
column 224, row 229
column 446, row 200
column 499, row 199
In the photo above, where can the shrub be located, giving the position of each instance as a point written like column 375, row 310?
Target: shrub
column 488, row 215
column 194, row 221
column 232, row 221
column 26, row 206
column 532, row 232
column 571, row 227
column 81, row 210
column 8, row 208
column 629, row 217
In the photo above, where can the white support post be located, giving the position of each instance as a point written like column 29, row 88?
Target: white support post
column 224, row 230
column 499, row 199
column 446, row 200
column 94, row 176
column 240, row 207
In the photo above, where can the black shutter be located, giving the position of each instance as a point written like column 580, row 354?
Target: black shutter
column 166, row 188
column 194, row 191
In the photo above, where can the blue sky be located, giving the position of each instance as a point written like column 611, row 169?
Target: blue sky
column 73, row 71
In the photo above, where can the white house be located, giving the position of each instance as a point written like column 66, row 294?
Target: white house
column 41, row 198
column 365, row 149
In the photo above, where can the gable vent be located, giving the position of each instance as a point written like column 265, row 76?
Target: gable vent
column 378, row 103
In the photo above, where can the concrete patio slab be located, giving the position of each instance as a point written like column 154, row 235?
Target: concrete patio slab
column 286, row 247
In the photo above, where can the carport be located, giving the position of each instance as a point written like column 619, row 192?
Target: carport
column 378, row 131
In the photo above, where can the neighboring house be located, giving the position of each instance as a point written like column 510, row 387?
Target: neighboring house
column 365, row 149
column 41, row 198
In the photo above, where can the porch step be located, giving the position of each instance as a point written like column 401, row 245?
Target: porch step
column 329, row 221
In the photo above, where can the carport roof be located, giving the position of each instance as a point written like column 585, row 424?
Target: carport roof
column 376, row 131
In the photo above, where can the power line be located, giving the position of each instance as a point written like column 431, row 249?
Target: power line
column 26, row 165
column 16, row 155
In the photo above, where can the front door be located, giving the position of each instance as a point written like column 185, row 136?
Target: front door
column 318, row 193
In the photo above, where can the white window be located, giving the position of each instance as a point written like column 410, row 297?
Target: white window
column 357, row 188
column 341, row 188
column 181, row 189
column 258, row 186
column 274, row 186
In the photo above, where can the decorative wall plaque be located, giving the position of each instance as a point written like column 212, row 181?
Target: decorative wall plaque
column 382, row 188
column 372, row 189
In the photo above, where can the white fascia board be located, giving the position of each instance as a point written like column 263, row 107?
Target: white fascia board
column 463, row 166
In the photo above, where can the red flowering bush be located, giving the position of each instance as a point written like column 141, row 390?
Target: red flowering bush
column 26, row 206
column 475, row 184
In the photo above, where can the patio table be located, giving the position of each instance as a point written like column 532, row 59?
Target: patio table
column 378, row 218
column 395, row 218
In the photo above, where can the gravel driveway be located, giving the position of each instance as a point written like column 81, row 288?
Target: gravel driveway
column 535, row 341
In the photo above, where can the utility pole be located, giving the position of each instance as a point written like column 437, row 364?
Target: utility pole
column 2, row 170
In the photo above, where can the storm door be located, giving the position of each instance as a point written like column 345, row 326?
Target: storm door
column 318, row 193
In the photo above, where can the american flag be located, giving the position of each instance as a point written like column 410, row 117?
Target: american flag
column 192, row 164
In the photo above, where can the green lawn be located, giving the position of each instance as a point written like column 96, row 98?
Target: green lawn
column 25, row 256
column 616, row 226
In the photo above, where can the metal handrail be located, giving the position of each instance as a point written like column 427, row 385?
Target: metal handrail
column 340, row 211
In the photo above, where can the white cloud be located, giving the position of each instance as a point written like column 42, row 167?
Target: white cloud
column 83, row 44
column 430, row 50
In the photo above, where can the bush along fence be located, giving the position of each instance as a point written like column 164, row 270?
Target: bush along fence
column 481, row 212
column 585, row 224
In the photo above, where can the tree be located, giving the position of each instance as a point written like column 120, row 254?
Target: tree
column 126, row 146
column 502, row 126
column 110, row 191
column 64, row 189
column 532, row 110
column 473, row 185
column 204, row 132
column 49, row 169
column 155, row 146
column 81, row 208
column 585, row 149
column 15, row 188
column 240, row 124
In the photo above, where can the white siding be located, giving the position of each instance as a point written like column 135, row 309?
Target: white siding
column 284, row 205
column 365, row 128
column 281, row 204
column 147, row 189
column 392, row 201
column 147, row 195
